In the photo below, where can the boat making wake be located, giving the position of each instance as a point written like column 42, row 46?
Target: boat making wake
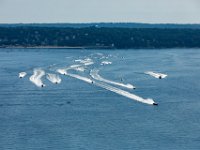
column 94, row 74
column 62, row 71
column 55, row 79
column 96, row 79
column 126, row 94
column 22, row 74
column 156, row 75
column 114, row 89
column 36, row 77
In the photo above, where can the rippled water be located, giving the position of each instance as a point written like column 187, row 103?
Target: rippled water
column 77, row 115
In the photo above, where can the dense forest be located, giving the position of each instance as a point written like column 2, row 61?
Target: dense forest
column 99, row 37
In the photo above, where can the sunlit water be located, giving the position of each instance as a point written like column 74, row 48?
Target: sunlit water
column 76, row 115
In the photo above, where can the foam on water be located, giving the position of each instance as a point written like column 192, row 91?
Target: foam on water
column 125, row 93
column 36, row 77
column 106, row 63
column 114, row 89
column 156, row 75
column 94, row 74
column 80, row 77
column 73, row 66
column 22, row 74
column 63, row 71
column 81, row 69
column 53, row 78
column 85, row 62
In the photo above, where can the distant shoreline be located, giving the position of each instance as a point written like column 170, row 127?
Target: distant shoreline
column 98, row 38
column 56, row 47
column 108, row 48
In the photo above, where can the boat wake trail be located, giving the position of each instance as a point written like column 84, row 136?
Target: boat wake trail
column 85, row 62
column 125, row 94
column 106, row 63
column 114, row 89
column 53, row 78
column 79, row 77
column 63, row 71
column 22, row 74
column 83, row 66
column 94, row 74
column 156, row 75
column 36, row 77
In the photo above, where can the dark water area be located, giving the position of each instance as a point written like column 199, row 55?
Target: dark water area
column 75, row 115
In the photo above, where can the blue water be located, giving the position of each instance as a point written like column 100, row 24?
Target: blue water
column 75, row 115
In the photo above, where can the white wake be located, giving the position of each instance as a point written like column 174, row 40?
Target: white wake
column 125, row 93
column 156, row 75
column 86, row 61
column 114, row 89
column 94, row 74
column 106, row 63
column 36, row 77
column 53, row 78
column 79, row 77
column 63, row 71
column 22, row 74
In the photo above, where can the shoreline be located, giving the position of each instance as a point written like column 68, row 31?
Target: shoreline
column 57, row 47
column 91, row 47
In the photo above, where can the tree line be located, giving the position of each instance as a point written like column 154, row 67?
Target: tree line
column 99, row 37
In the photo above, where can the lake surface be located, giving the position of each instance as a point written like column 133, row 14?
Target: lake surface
column 76, row 115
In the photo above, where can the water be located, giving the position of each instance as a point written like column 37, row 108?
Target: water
column 76, row 115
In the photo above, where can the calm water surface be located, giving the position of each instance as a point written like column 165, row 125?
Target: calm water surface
column 75, row 115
